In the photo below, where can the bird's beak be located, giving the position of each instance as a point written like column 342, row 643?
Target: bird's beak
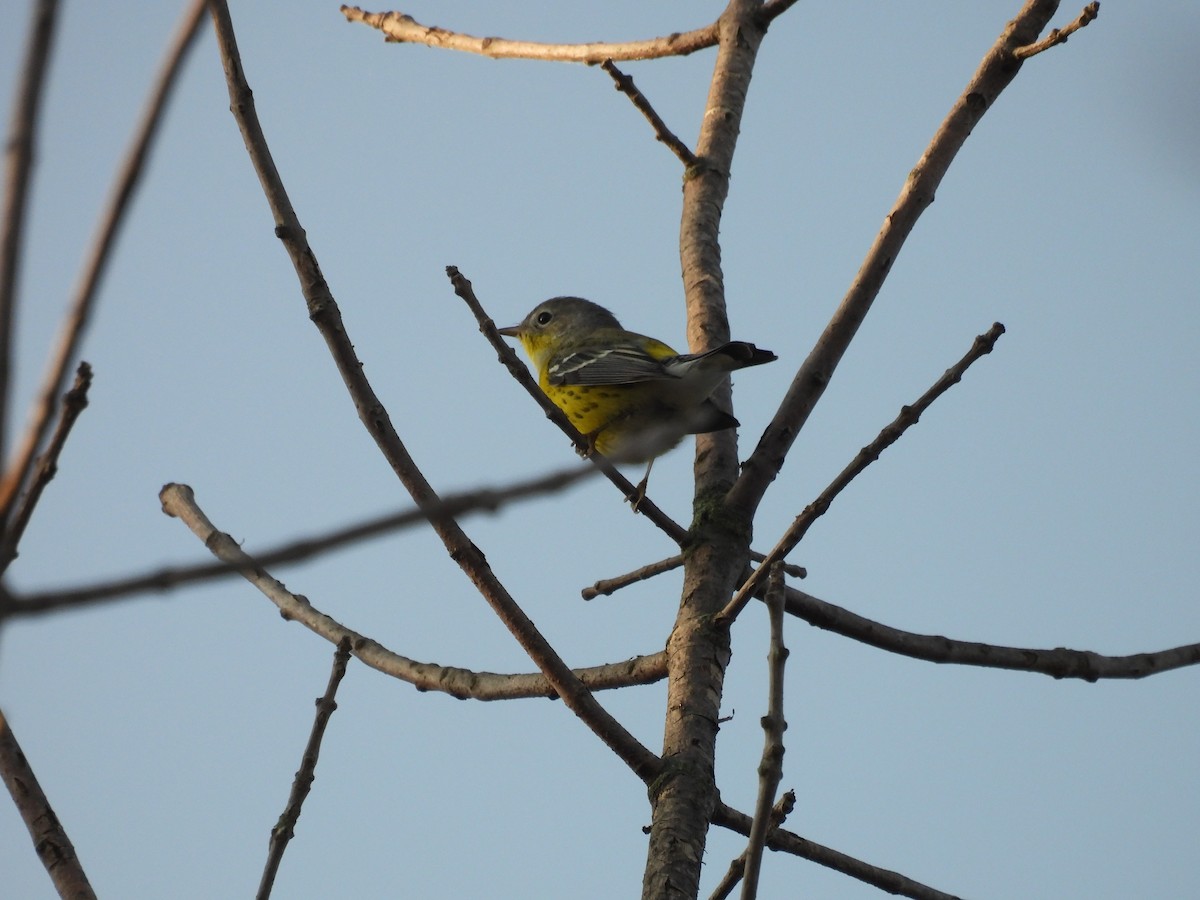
column 511, row 331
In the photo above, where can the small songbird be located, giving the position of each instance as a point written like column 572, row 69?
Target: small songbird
column 631, row 396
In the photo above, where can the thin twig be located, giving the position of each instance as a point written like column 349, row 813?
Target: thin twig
column 612, row 585
column 996, row 71
column 462, row 287
column 1059, row 35
column 624, row 84
column 128, row 178
column 1059, row 662
column 284, row 829
column 325, row 314
column 737, row 867
column 770, row 769
column 50, row 840
column 783, row 840
column 171, row 577
column 909, row 415
column 404, row 29
column 74, row 402
column 19, row 156
column 179, row 501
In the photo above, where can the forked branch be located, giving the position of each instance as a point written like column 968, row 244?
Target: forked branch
column 1059, row 35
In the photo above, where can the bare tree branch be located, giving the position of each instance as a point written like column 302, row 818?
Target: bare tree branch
column 998, row 68
column 127, row 180
column 662, row 133
column 284, row 829
column 1059, row 35
column 74, row 402
column 1060, row 662
column 770, row 769
column 697, row 652
column 784, row 840
column 404, row 29
column 612, row 585
column 18, row 168
column 171, row 577
column 179, row 502
column 909, row 416
column 325, row 314
column 737, row 868
column 50, row 841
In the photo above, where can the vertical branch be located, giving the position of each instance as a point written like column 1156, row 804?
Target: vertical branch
column 53, row 846
column 683, row 799
column 18, row 154
column 128, row 178
column 770, row 770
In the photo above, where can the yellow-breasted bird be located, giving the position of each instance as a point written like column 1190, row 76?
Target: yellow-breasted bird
column 631, row 396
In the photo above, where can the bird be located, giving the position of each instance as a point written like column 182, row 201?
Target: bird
column 631, row 396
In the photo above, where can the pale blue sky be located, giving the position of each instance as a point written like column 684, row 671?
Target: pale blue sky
column 1048, row 500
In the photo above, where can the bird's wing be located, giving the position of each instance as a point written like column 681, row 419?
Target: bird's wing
column 615, row 365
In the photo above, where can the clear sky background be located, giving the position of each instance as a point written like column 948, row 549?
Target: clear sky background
column 1049, row 500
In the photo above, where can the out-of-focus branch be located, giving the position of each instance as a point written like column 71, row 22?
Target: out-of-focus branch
column 179, row 502
column 784, row 840
column 50, row 841
column 1059, row 35
column 1060, row 662
column 662, row 133
column 909, row 416
column 127, row 180
column 74, row 403
column 18, row 168
column 284, row 829
column 404, row 29
column 997, row 70
column 171, row 577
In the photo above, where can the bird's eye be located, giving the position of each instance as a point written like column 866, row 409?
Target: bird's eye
column 544, row 317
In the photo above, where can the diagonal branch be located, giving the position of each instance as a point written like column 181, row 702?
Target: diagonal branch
column 74, row 402
column 624, row 84
column 909, row 415
column 284, row 829
column 787, row 842
column 400, row 28
column 463, row 288
column 50, row 841
column 179, row 502
column 325, row 314
column 997, row 70
column 18, row 168
column 128, row 178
